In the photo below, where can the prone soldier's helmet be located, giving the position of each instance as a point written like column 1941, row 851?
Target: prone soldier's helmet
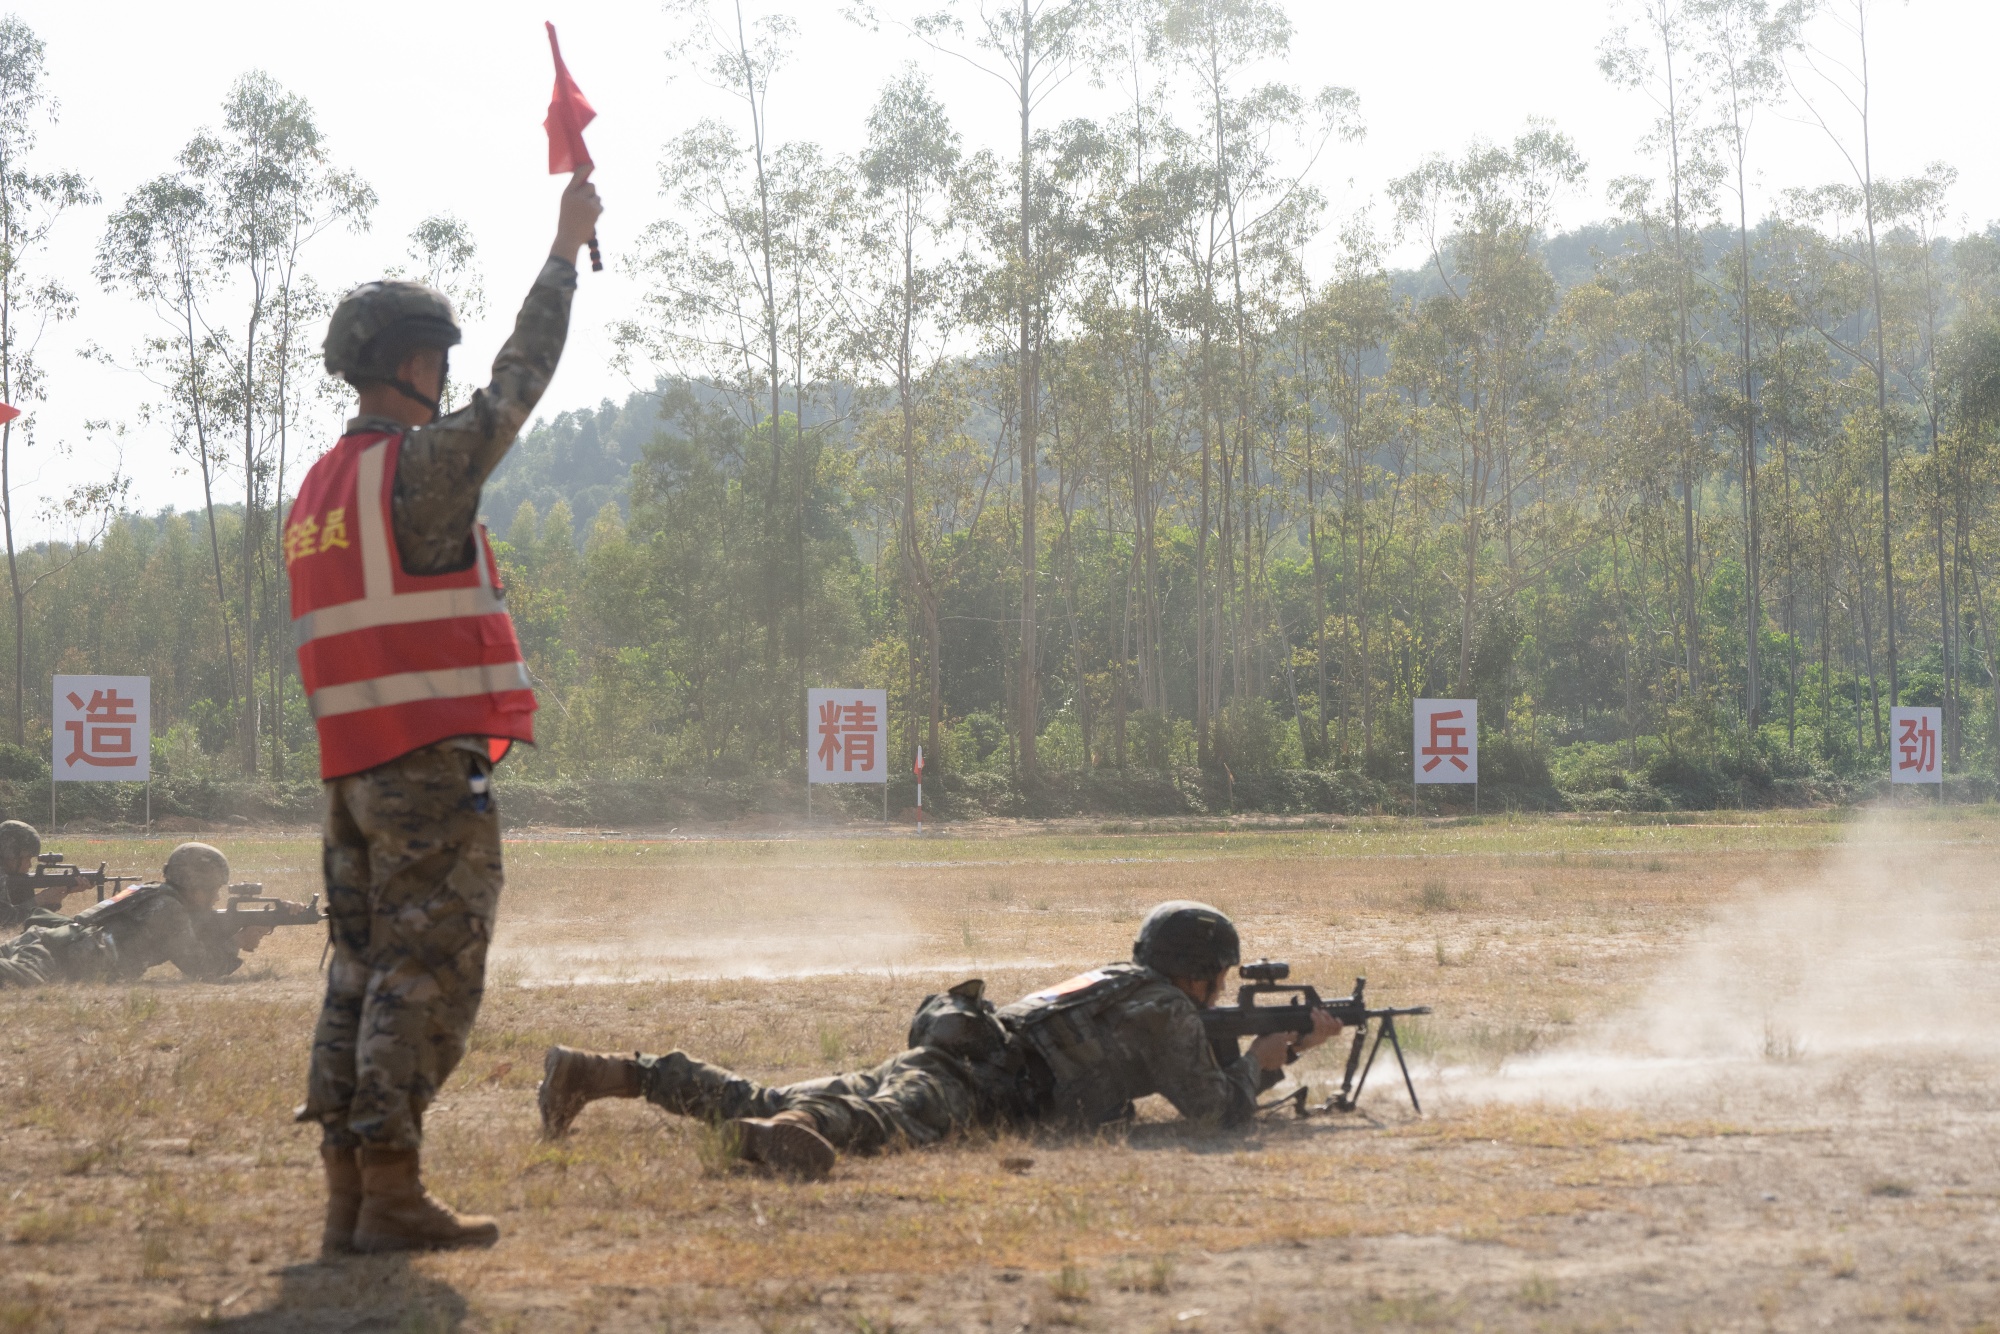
column 18, row 840
column 378, row 325
column 196, row 868
column 1182, row 938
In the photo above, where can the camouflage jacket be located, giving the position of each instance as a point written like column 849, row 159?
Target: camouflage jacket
column 148, row 925
column 1118, row 1033
column 444, row 465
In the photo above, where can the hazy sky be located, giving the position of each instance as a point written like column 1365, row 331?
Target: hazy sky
column 439, row 107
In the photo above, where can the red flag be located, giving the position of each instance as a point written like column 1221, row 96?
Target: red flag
column 569, row 112
column 8, row 412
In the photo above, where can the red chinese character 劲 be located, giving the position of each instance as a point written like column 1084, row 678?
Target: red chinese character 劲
column 1918, row 745
column 1447, row 743
column 103, row 736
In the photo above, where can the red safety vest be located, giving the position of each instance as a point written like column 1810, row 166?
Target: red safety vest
column 392, row 661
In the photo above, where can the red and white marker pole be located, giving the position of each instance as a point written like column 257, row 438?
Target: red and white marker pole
column 918, row 769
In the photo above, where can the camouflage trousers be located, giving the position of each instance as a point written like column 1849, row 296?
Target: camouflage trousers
column 915, row 1098
column 53, row 949
column 412, row 862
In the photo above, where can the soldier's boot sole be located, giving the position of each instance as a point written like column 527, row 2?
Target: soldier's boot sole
column 788, row 1142
column 398, row 1214
column 343, row 1199
column 573, row 1079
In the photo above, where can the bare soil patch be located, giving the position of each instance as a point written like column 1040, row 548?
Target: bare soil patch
column 1577, row 1169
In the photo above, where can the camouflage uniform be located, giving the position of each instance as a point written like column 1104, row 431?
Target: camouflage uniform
column 412, row 847
column 118, row 941
column 1079, row 1054
column 17, row 899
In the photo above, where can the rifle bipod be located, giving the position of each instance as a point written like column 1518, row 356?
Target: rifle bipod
column 1349, row 1097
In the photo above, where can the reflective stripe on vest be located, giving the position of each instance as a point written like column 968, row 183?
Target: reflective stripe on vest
column 392, row 661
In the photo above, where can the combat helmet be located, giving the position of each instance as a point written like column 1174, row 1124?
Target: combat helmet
column 378, row 325
column 1182, row 938
column 17, row 840
column 196, row 868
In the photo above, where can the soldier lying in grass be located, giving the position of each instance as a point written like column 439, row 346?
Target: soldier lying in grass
column 1078, row 1053
column 168, row 921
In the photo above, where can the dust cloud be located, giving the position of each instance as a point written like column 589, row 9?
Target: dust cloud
column 1891, row 947
column 705, row 925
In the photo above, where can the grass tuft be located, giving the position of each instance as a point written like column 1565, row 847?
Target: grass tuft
column 1070, row 1284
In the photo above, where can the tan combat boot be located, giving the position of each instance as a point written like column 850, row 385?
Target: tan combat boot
column 789, row 1141
column 571, row 1079
column 343, row 1198
column 398, row 1214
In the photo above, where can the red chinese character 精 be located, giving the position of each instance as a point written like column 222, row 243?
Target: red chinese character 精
column 103, row 736
column 1918, row 745
column 1447, row 743
column 847, row 735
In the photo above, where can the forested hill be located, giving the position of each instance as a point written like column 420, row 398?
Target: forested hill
column 585, row 456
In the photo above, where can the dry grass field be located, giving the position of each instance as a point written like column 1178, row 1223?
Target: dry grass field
column 1735, row 1072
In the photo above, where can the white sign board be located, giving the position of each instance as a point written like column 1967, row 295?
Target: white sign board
column 847, row 734
column 1913, row 744
column 103, row 729
column 1446, row 741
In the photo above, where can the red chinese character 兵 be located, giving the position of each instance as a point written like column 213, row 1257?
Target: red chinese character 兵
column 829, row 733
column 858, row 723
column 1918, row 745
column 97, row 738
column 1447, row 743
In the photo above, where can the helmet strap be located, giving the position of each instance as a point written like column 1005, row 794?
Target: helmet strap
column 411, row 392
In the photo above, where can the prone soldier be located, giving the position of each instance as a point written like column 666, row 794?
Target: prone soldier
column 417, row 687
column 168, row 921
column 1078, row 1053
column 33, row 883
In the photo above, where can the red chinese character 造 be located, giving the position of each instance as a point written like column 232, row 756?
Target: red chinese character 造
column 1447, row 743
column 1918, row 744
column 858, row 724
column 103, row 736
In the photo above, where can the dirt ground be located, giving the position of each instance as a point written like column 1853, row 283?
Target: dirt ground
column 1737, row 1072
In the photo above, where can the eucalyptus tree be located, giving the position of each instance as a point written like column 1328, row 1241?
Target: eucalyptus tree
column 1473, row 356
column 1657, row 63
column 31, row 202
column 159, row 246
column 1835, row 90
column 1351, row 321
column 717, row 274
column 1253, row 202
column 272, row 187
column 1738, row 49
column 1031, row 48
column 901, row 313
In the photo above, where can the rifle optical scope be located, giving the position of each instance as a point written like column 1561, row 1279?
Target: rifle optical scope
column 1266, row 970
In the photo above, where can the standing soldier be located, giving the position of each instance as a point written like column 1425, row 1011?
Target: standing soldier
column 416, row 684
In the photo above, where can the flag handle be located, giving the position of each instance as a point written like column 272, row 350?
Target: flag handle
column 596, row 256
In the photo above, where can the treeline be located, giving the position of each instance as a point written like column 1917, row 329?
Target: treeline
column 1116, row 455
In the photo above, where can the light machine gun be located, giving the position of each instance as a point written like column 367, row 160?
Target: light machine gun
column 1227, row 1024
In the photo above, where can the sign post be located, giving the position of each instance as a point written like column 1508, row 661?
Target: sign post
column 1445, row 744
column 103, row 728
column 847, row 733
column 1913, row 740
